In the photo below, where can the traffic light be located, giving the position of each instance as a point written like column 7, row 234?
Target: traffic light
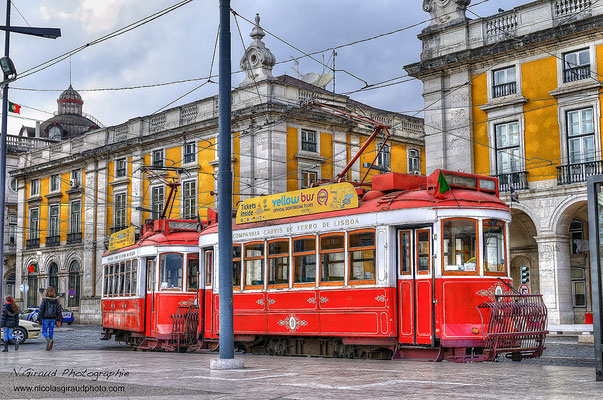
column 525, row 275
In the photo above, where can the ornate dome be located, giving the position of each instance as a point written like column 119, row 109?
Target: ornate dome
column 70, row 102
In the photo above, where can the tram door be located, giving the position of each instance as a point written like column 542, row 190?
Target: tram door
column 150, row 297
column 415, row 286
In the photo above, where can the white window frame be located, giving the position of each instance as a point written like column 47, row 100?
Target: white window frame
column 506, row 71
column 567, row 106
column 302, row 178
column 185, row 199
column 317, row 140
column 583, row 281
column 490, row 82
column 76, row 177
column 384, row 160
column 58, row 183
column 57, row 230
column 34, row 187
column 116, row 210
column 152, row 200
column 560, row 57
column 12, row 229
column 71, row 219
column 31, row 233
column 580, row 135
column 408, row 162
column 117, row 168
column 153, row 152
column 194, row 153
column 497, row 149
column 492, row 123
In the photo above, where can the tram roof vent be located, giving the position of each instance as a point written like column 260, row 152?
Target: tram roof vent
column 393, row 181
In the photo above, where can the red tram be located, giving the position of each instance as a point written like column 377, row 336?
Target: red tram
column 406, row 271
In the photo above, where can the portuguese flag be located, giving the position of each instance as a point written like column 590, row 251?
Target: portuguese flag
column 442, row 186
column 12, row 107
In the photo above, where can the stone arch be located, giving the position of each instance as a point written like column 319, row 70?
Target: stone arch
column 74, row 256
column 564, row 213
column 524, row 249
column 529, row 212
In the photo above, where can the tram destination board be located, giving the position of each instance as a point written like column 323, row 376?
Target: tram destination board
column 338, row 196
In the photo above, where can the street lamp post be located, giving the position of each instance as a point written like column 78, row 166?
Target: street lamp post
column 51, row 33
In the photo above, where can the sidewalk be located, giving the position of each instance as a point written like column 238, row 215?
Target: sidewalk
column 187, row 376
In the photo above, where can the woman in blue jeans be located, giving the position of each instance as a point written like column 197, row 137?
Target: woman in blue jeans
column 50, row 312
column 9, row 321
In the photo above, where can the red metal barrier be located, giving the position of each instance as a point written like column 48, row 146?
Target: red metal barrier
column 517, row 326
column 184, row 333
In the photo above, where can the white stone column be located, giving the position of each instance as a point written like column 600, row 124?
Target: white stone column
column 101, row 217
column 137, row 187
column 20, row 245
column 88, row 210
column 555, row 278
column 279, row 163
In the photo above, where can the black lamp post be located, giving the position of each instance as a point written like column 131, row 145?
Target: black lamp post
column 10, row 74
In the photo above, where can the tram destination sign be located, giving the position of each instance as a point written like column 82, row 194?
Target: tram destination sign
column 338, row 196
column 123, row 238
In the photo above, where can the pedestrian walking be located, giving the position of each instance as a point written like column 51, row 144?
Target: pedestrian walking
column 50, row 312
column 9, row 321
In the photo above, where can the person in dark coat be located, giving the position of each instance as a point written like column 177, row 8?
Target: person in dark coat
column 9, row 321
column 50, row 312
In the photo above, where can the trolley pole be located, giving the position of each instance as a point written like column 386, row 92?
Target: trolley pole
column 226, row 360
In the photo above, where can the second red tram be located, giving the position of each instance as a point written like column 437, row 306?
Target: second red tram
column 409, row 272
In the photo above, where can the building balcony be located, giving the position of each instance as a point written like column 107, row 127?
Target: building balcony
column 73, row 238
column 574, row 173
column 576, row 73
column 32, row 243
column 504, row 89
column 53, row 241
column 514, row 180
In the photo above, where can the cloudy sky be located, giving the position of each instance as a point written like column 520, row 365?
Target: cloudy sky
column 180, row 45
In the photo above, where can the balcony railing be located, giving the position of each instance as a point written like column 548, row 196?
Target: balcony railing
column 515, row 180
column 117, row 229
column 504, row 89
column 52, row 241
column 574, row 173
column 32, row 243
column 576, row 73
column 74, row 238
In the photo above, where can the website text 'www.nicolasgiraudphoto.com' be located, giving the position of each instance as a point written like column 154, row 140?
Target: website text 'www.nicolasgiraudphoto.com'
column 85, row 388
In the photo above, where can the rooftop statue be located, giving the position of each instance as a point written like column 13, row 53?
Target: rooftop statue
column 445, row 11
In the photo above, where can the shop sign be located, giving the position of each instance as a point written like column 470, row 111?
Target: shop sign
column 123, row 238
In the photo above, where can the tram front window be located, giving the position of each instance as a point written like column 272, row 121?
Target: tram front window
column 332, row 254
column 171, row 271
column 192, row 273
column 494, row 246
column 459, row 246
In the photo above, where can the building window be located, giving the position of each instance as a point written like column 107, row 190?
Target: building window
column 308, row 140
column 53, row 276
column 157, row 201
column 579, row 245
column 157, row 158
column 308, row 178
column 506, row 146
column 190, row 200
column 120, row 168
column 14, row 184
column 75, row 220
column 34, row 187
column 505, row 82
column 74, row 284
column 76, row 178
column 12, row 229
column 383, row 161
column 53, row 220
column 414, row 161
column 578, row 286
column 120, row 210
column 55, row 183
column 34, row 223
column 190, row 153
column 580, row 136
column 576, row 65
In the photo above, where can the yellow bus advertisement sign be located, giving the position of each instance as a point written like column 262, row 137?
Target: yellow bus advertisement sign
column 123, row 238
column 338, row 196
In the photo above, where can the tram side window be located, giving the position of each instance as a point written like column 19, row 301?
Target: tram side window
column 171, row 271
column 122, row 280
column 254, row 265
column 127, row 289
column 405, row 262
column 362, row 257
column 332, row 256
column 106, row 282
column 150, row 274
column 111, row 280
column 134, row 277
column 192, row 273
column 236, row 266
column 494, row 247
column 278, row 263
column 459, row 246
column 209, row 265
column 304, row 260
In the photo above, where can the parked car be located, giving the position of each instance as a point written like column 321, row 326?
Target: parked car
column 31, row 314
column 25, row 330
column 67, row 316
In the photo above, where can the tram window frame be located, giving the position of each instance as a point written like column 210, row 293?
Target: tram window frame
column 504, row 249
column 417, row 248
column 277, row 256
column 150, row 265
column 326, row 252
column 261, row 258
column 189, row 258
column 122, row 280
column 238, row 268
column 477, row 249
column 110, row 281
column 403, row 272
column 134, row 279
column 304, row 253
column 161, row 269
column 127, row 279
column 351, row 250
column 105, row 280
column 209, row 266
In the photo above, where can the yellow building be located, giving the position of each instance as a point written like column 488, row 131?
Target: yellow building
column 517, row 95
column 74, row 193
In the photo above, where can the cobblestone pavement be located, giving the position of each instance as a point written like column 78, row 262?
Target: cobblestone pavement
column 80, row 361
